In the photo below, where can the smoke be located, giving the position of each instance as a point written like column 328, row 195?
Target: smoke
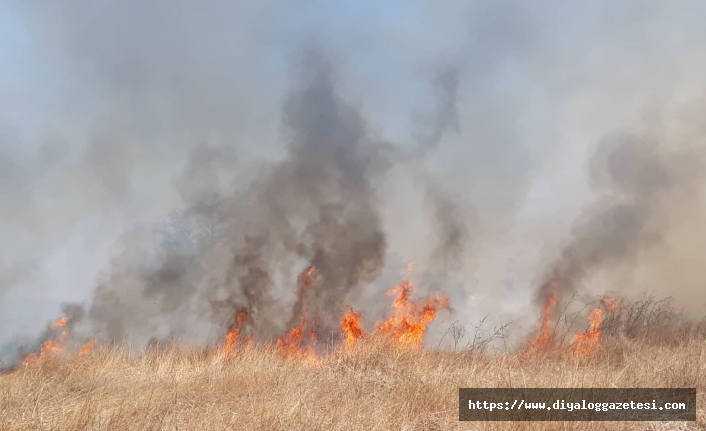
column 170, row 164
column 640, row 180
column 452, row 230
column 445, row 117
column 448, row 218
column 319, row 203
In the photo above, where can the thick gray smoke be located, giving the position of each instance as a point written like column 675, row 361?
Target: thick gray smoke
column 320, row 203
column 318, row 206
column 639, row 180
column 166, row 165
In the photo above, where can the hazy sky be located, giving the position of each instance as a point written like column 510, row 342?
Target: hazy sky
column 101, row 103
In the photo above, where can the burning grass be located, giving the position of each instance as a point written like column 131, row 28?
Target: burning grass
column 379, row 379
column 371, row 382
column 373, row 385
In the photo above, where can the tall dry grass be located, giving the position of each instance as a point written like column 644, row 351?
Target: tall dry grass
column 374, row 386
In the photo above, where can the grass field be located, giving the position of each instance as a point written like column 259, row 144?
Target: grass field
column 374, row 385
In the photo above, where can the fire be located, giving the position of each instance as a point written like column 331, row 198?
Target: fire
column 406, row 326
column 292, row 340
column 57, row 344
column 52, row 345
column 304, row 281
column 232, row 334
column 588, row 343
column 350, row 324
column 545, row 339
column 583, row 344
column 59, row 323
column 87, row 348
column 290, row 345
column 409, row 322
column 30, row 359
column 305, row 277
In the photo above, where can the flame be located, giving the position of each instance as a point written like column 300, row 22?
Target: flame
column 57, row 344
column 51, row 345
column 232, row 335
column 588, row 343
column 290, row 345
column 550, row 292
column 409, row 322
column 545, row 338
column 407, row 326
column 304, row 280
column 305, row 277
column 350, row 324
column 30, row 359
column 583, row 344
column 292, row 340
column 59, row 323
column 87, row 348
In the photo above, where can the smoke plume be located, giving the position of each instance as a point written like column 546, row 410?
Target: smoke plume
column 165, row 166
column 637, row 179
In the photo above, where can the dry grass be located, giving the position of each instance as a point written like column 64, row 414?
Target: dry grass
column 375, row 386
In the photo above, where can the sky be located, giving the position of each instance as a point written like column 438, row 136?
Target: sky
column 102, row 103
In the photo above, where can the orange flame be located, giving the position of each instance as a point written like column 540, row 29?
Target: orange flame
column 305, row 277
column 545, row 339
column 52, row 345
column 87, row 348
column 292, row 340
column 350, row 324
column 232, row 335
column 30, row 359
column 588, row 343
column 57, row 344
column 409, row 322
column 304, row 281
column 59, row 323
column 407, row 325
column 290, row 345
